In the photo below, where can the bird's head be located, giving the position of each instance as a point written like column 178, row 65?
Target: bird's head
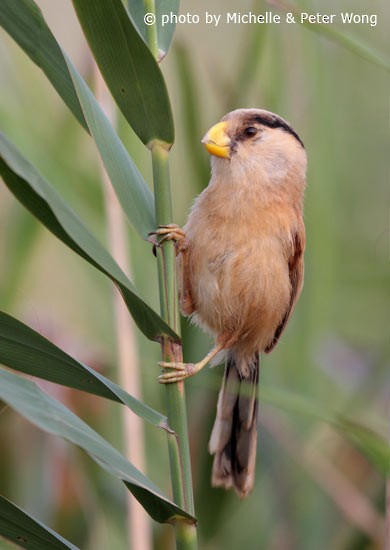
column 254, row 140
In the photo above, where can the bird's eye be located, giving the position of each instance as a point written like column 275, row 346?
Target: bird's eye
column 250, row 131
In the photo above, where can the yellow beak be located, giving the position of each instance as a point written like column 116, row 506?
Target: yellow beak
column 217, row 142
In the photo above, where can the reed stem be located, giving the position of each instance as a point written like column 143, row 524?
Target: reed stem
column 178, row 444
column 179, row 452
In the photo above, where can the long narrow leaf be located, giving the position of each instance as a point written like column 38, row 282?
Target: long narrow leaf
column 23, row 349
column 53, row 417
column 165, row 28
column 133, row 193
column 27, row 532
column 23, row 20
column 36, row 194
column 128, row 67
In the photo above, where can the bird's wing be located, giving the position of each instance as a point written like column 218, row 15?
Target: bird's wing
column 296, row 270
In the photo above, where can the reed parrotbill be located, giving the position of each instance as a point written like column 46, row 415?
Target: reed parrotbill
column 240, row 270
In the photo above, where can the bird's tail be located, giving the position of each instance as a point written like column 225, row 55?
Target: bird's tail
column 233, row 440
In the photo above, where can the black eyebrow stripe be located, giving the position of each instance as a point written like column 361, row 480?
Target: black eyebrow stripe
column 276, row 122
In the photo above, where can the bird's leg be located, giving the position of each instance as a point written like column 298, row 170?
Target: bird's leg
column 181, row 371
column 172, row 232
column 169, row 232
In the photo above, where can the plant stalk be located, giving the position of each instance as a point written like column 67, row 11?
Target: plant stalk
column 179, row 452
column 151, row 29
column 178, row 443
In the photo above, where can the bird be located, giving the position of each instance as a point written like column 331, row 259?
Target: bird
column 240, row 270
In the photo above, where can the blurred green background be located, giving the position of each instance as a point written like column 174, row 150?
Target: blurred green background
column 311, row 481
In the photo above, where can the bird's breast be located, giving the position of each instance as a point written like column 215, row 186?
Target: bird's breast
column 238, row 265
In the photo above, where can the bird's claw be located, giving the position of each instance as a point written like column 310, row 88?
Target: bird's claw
column 180, row 371
column 168, row 232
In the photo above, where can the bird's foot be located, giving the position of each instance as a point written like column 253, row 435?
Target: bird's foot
column 179, row 372
column 169, row 232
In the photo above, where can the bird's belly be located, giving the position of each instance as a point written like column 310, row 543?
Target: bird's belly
column 242, row 288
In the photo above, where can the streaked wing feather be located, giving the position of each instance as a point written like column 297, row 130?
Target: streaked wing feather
column 296, row 270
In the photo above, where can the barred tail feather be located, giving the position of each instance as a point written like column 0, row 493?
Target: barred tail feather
column 234, row 436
